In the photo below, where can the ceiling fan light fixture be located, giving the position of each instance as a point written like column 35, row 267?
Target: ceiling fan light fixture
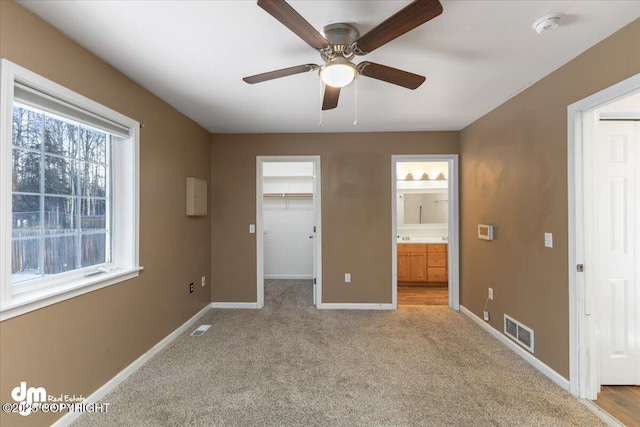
column 338, row 72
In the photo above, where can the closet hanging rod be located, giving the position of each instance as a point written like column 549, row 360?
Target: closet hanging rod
column 288, row 195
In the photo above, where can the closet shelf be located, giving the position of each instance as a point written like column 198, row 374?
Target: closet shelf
column 287, row 177
column 288, row 195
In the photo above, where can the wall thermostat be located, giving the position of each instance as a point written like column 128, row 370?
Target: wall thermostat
column 485, row 232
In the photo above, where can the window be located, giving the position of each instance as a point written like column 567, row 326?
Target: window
column 60, row 196
column 68, row 206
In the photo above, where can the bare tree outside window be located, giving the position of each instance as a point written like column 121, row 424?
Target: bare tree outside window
column 60, row 201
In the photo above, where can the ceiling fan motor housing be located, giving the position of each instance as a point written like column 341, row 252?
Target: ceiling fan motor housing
column 340, row 36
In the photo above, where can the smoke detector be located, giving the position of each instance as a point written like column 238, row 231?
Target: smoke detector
column 547, row 23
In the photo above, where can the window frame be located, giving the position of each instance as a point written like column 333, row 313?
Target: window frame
column 36, row 283
column 41, row 292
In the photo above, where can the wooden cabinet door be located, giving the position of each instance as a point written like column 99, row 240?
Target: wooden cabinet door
column 418, row 267
column 412, row 262
column 404, row 267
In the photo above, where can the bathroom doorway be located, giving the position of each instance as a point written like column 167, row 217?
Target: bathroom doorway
column 425, row 230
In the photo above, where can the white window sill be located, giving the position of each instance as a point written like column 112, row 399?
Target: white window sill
column 26, row 302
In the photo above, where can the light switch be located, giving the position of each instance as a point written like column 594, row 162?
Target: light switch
column 548, row 240
column 252, row 228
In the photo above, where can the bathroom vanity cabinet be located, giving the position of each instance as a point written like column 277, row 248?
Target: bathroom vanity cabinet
column 420, row 262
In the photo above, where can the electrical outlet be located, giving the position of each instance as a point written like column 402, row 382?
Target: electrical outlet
column 491, row 293
column 486, row 315
column 252, row 228
column 347, row 277
column 203, row 280
column 191, row 287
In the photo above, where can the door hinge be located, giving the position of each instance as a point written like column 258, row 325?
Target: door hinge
column 580, row 268
column 314, row 228
column 314, row 281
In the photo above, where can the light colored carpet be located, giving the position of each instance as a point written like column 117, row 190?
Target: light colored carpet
column 299, row 366
column 280, row 292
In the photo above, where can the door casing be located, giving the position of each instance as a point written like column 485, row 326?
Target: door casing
column 317, row 262
column 453, row 225
column 583, row 349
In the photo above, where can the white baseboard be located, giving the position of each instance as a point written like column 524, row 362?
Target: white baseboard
column 355, row 306
column 289, row 276
column 234, row 305
column 126, row 372
column 546, row 370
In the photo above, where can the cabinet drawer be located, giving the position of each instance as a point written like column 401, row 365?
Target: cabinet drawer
column 437, row 260
column 404, row 248
column 436, row 275
column 437, row 248
column 413, row 248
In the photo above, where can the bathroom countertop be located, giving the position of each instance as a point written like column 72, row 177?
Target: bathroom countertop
column 417, row 240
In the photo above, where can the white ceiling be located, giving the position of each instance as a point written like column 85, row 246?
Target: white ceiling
column 193, row 54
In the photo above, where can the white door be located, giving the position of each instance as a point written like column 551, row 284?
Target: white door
column 618, row 226
column 313, row 234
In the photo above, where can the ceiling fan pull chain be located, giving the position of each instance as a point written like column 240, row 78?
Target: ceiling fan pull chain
column 355, row 102
column 321, row 101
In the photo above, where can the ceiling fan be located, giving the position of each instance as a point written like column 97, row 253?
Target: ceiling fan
column 339, row 43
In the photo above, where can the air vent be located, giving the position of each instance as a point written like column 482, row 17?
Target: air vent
column 200, row 330
column 518, row 332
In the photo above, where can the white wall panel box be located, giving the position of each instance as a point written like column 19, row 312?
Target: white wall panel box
column 196, row 197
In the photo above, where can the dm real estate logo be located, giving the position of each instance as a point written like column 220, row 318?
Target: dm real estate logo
column 27, row 397
column 28, row 400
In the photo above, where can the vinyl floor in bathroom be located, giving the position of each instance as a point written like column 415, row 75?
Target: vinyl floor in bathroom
column 423, row 295
column 622, row 402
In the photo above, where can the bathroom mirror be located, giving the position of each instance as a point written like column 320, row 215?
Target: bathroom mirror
column 423, row 208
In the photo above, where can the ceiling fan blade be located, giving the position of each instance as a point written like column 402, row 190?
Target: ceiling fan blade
column 331, row 95
column 291, row 19
column 412, row 16
column 391, row 75
column 258, row 78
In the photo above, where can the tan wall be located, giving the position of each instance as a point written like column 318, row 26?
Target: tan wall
column 514, row 176
column 356, row 208
column 76, row 346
